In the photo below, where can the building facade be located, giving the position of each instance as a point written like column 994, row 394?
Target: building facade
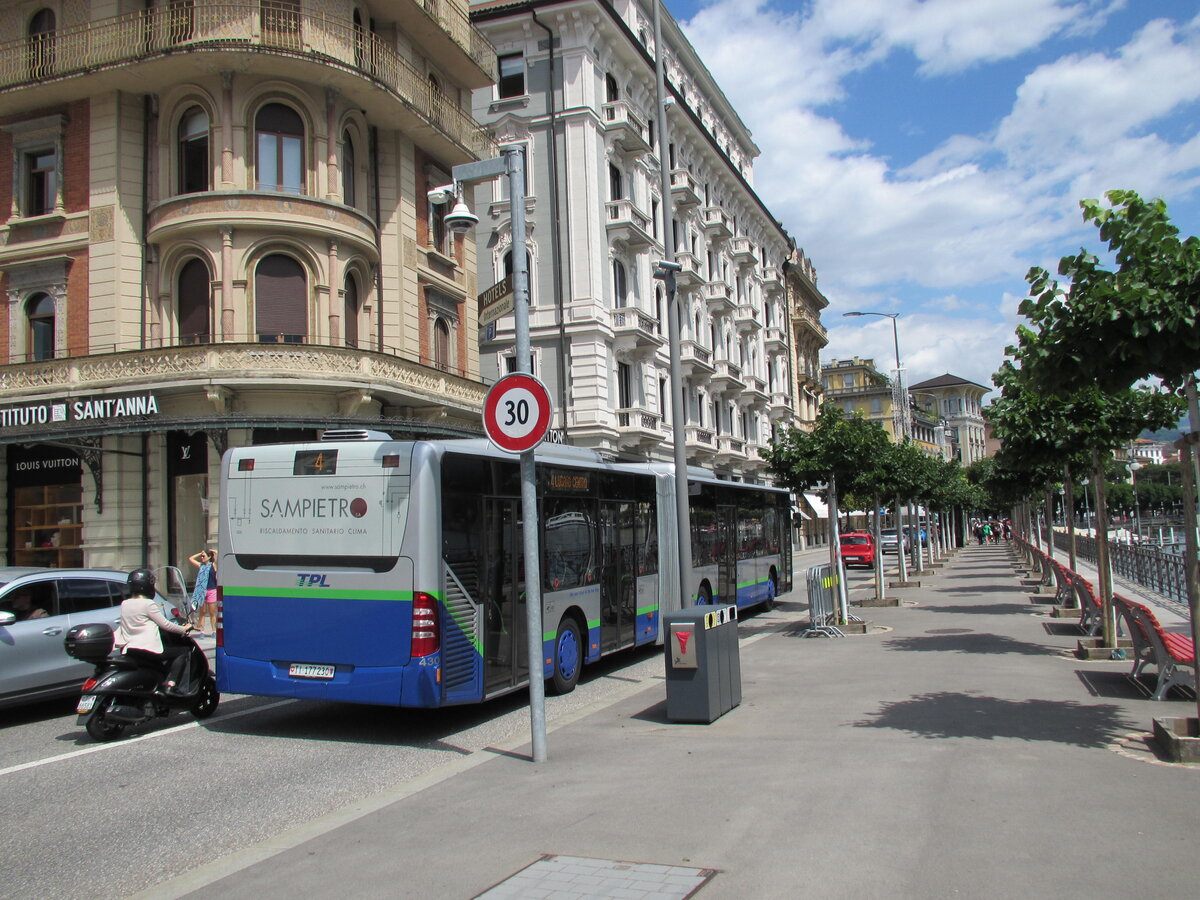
column 216, row 233
column 577, row 91
column 960, row 404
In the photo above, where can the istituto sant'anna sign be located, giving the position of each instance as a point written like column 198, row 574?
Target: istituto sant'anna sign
column 99, row 409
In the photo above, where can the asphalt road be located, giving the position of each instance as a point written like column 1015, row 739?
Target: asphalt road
column 108, row 820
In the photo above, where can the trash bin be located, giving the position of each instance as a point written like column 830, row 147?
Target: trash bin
column 704, row 671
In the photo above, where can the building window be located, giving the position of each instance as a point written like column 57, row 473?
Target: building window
column 39, row 312
column 441, row 345
column 280, row 300
column 616, row 183
column 611, row 94
column 348, row 164
column 193, row 152
column 512, row 76
column 41, row 44
column 620, row 285
column 279, row 135
column 351, row 306
column 41, row 182
column 193, row 303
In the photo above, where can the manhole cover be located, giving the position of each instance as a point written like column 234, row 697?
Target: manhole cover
column 576, row 876
column 949, row 631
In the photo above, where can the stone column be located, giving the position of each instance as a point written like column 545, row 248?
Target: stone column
column 227, row 320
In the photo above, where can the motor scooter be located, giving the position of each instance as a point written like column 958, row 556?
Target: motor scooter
column 126, row 690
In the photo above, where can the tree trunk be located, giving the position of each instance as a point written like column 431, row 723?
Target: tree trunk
column 1103, row 564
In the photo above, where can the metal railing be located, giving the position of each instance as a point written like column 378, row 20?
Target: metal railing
column 822, row 608
column 276, row 27
column 1149, row 566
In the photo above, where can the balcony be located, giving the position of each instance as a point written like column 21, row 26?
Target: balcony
column 628, row 225
column 775, row 339
column 625, row 127
column 717, row 224
column 727, row 377
column 730, row 450
column 638, row 428
column 689, row 270
column 743, row 251
column 772, row 279
column 755, row 396
column 745, row 319
column 192, row 215
column 695, row 361
column 684, row 188
column 700, row 443
column 636, row 334
column 780, row 409
column 167, row 44
column 719, row 297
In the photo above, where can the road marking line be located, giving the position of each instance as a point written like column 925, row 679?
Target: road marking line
column 145, row 737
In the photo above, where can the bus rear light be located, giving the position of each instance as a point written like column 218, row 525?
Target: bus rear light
column 425, row 638
column 391, row 461
column 89, row 684
column 245, row 465
column 220, row 616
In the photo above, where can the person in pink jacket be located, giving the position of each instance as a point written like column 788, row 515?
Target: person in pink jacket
column 142, row 624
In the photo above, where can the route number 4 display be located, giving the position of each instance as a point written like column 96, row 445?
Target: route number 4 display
column 516, row 413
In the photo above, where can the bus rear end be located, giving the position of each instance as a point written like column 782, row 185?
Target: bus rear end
column 317, row 598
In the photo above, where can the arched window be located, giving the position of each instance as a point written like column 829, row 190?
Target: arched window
column 441, row 345
column 351, row 305
column 348, row 164
column 41, row 44
column 193, row 303
column 616, row 183
column 39, row 312
column 280, row 300
column 611, row 94
column 620, row 285
column 193, row 151
column 279, row 138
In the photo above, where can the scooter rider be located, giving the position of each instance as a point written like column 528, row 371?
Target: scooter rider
column 139, row 634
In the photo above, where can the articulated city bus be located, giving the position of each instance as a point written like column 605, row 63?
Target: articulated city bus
column 367, row 570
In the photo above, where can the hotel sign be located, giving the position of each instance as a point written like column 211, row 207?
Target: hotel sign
column 496, row 301
column 86, row 409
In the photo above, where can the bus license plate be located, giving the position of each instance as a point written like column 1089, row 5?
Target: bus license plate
column 86, row 702
column 307, row 670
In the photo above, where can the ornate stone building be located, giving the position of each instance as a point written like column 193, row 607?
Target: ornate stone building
column 216, row 232
column 576, row 88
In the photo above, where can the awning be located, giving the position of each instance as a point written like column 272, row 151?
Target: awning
column 812, row 506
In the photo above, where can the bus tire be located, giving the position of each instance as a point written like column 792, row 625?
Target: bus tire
column 568, row 657
column 772, row 590
column 704, row 595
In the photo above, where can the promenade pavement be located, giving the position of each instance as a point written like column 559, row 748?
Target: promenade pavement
column 957, row 749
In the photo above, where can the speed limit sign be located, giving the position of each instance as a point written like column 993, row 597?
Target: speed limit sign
column 516, row 412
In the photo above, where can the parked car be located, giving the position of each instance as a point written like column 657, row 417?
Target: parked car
column 858, row 548
column 887, row 541
column 38, row 606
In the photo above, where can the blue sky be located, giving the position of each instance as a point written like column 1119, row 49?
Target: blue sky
column 926, row 153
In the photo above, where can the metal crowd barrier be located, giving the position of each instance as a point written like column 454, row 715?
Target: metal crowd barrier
column 822, row 607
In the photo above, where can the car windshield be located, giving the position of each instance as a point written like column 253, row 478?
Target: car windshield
column 855, row 539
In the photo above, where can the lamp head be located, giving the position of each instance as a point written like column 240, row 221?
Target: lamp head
column 460, row 219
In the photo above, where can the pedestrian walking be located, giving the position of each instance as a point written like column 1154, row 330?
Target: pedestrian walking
column 204, row 596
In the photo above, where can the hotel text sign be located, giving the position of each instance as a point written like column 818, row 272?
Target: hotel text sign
column 89, row 409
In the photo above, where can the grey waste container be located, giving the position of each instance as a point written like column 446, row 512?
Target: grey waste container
column 704, row 672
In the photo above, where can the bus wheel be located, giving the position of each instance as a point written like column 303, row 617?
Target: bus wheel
column 772, row 591
column 568, row 657
column 704, row 596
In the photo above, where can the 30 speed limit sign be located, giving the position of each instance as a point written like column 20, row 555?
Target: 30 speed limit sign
column 516, row 412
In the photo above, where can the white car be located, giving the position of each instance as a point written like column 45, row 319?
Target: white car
column 887, row 541
column 37, row 608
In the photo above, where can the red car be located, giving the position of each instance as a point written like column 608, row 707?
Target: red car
column 858, row 548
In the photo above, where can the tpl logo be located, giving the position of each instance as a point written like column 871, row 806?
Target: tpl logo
column 304, row 580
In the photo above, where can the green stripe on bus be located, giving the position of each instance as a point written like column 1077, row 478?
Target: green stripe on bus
column 646, row 610
column 293, row 593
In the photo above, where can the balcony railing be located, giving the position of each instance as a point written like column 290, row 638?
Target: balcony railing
column 280, row 28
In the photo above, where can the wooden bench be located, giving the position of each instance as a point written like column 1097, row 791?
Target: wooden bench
column 1091, row 616
column 1064, row 590
column 1173, row 654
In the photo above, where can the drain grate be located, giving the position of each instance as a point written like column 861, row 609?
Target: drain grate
column 571, row 877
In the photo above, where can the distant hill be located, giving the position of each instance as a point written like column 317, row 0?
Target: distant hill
column 1167, row 435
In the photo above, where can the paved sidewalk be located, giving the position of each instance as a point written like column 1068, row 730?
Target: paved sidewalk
column 958, row 749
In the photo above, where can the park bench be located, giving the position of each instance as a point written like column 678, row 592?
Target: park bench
column 1064, row 590
column 1173, row 654
column 1091, row 616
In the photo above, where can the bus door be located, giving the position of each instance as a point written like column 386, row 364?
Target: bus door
column 618, row 575
column 727, row 554
column 502, row 592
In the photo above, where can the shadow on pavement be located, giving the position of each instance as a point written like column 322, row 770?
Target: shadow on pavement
column 968, row 643
column 985, row 609
column 1113, row 684
column 946, row 714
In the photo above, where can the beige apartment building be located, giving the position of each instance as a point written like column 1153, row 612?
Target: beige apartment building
column 216, row 233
